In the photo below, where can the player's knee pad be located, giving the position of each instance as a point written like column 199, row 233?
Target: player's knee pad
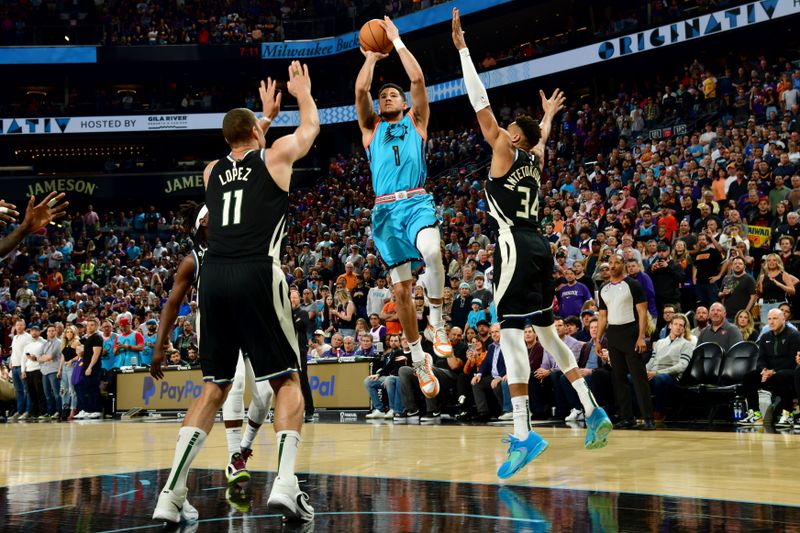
column 515, row 355
column 553, row 344
column 429, row 245
column 260, row 403
column 233, row 408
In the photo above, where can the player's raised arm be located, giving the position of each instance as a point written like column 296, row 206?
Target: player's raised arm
column 270, row 103
column 289, row 148
column 477, row 94
column 551, row 107
column 419, row 95
column 367, row 118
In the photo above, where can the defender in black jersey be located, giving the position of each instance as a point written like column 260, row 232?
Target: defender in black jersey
column 523, row 262
column 195, row 223
column 243, row 296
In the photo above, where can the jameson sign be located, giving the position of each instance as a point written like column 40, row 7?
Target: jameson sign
column 62, row 185
column 191, row 184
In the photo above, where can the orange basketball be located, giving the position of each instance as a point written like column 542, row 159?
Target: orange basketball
column 372, row 37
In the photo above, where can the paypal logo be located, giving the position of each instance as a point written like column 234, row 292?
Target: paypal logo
column 323, row 388
column 148, row 389
column 177, row 392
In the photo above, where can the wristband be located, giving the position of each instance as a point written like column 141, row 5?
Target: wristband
column 269, row 120
column 464, row 52
column 3, row 210
column 398, row 44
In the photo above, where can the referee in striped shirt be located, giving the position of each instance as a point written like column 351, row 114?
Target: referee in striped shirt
column 623, row 313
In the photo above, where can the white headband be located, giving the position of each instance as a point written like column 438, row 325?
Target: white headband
column 203, row 212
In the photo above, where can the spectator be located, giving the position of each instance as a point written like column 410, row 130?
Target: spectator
column 388, row 366
column 377, row 297
column 345, row 313
column 337, row 347
column 706, row 270
column 70, row 346
column 700, row 321
column 389, row 317
column 747, row 327
column 738, row 289
column 775, row 369
column 50, row 362
column 720, row 330
column 572, row 295
column 667, row 276
column 37, row 406
column 490, row 376
column 462, row 306
column 88, row 388
column 128, row 343
column 20, row 340
column 775, row 285
column 317, row 346
column 671, row 356
column 594, row 368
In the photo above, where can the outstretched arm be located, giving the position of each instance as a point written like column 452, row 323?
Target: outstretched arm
column 288, row 149
column 364, row 107
column 551, row 107
column 502, row 148
column 271, row 104
column 37, row 216
column 419, row 95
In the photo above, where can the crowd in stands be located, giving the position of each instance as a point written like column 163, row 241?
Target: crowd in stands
column 706, row 219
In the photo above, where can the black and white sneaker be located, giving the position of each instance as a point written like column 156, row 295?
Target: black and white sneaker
column 434, row 416
column 287, row 499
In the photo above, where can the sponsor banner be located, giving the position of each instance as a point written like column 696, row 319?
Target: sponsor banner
column 339, row 385
column 174, row 184
column 349, row 41
column 47, row 55
column 175, row 392
column 759, row 236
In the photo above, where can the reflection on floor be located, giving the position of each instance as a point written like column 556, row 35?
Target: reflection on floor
column 124, row 502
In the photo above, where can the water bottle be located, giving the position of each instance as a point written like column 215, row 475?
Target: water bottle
column 738, row 408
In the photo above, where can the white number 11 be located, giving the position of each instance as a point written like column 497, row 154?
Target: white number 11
column 237, row 207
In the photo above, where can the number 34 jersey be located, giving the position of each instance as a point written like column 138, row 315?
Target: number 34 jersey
column 514, row 198
column 247, row 211
column 396, row 156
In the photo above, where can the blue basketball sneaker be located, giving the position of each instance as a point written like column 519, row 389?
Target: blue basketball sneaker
column 598, row 427
column 520, row 453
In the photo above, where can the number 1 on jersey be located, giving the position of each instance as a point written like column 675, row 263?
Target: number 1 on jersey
column 237, row 207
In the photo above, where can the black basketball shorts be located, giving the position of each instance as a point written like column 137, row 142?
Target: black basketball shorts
column 523, row 277
column 245, row 306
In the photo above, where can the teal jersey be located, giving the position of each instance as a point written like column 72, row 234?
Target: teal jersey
column 396, row 156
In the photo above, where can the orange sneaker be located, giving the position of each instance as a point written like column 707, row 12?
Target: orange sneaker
column 441, row 344
column 427, row 380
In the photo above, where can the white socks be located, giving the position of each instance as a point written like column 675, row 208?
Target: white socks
column 522, row 416
column 416, row 350
column 250, row 433
column 586, row 396
column 234, row 437
column 190, row 442
column 288, row 443
column 436, row 315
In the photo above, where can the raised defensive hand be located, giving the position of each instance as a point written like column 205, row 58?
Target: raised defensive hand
column 299, row 80
column 458, row 33
column 555, row 103
column 8, row 213
column 40, row 215
column 270, row 103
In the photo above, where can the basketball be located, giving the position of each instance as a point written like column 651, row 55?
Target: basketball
column 372, row 37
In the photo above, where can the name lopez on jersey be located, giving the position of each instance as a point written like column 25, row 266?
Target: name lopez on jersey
column 234, row 174
column 527, row 171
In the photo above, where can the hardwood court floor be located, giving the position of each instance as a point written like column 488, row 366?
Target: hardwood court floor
column 744, row 467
